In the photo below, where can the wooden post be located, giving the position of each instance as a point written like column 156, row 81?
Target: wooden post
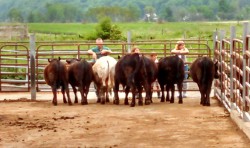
column 32, row 66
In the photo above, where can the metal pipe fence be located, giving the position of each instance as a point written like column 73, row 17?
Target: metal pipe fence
column 45, row 50
column 232, row 89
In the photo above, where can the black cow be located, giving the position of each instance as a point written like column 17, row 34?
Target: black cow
column 135, row 72
column 80, row 75
column 203, row 70
column 55, row 74
column 170, row 72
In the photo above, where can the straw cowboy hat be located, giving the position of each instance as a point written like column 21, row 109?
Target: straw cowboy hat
column 180, row 42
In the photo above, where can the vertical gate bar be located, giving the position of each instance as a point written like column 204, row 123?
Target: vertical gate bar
column 215, row 35
column 245, row 32
column 222, row 36
column 1, row 69
column 32, row 66
column 233, row 35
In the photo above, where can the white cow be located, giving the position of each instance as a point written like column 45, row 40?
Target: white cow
column 104, row 71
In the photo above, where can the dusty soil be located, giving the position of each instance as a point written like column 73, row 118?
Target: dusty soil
column 26, row 123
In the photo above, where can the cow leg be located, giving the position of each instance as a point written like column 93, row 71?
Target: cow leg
column 63, row 93
column 126, row 95
column 180, row 85
column 148, row 93
column 75, row 92
column 102, row 94
column 97, row 92
column 54, row 101
column 140, row 101
column 83, row 101
column 107, row 93
column 86, row 91
column 172, row 93
column 203, row 95
column 207, row 97
column 167, row 90
column 67, row 92
column 133, row 96
column 116, row 89
column 200, row 90
column 203, row 98
column 162, row 93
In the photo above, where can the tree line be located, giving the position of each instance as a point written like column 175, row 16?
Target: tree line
column 132, row 11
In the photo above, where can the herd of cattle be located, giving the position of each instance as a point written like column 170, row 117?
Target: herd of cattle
column 134, row 72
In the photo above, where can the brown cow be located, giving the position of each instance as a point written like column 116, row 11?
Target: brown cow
column 203, row 70
column 80, row 75
column 55, row 74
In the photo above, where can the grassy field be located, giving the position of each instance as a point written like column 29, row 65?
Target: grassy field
column 140, row 30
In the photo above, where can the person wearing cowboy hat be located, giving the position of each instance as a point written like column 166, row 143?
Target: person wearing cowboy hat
column 181, row 51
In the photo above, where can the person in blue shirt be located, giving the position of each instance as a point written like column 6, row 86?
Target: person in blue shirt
column 97, row 52
column 100, row 50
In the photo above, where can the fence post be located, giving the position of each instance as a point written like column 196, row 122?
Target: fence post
column 129, row 41
column 32, row 66
column 232, row 99
column 215, row 36
column 222, row 36
column 245, row 32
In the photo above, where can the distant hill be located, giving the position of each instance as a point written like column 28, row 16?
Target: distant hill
column 169, row 10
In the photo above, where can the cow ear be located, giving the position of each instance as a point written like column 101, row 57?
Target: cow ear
column 59, row 58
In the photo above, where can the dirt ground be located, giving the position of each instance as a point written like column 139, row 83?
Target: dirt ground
column 26, row 123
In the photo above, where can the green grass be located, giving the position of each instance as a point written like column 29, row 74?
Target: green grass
column 140, row 30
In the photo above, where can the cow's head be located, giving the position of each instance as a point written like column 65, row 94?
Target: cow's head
column 216, row 73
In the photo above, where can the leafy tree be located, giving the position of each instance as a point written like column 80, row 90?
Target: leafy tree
column 35, row 17
column 116, row 13
column 106, row 30
column 167, row 14
column 149, row 13
column 15, row 15
column 122, row 10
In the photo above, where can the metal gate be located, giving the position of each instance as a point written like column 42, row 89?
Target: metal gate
column 14, row 67
column 233, row 87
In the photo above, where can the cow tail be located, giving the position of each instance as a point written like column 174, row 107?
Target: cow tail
column 59, row 73
column 109, row 76
column 144, row 67
column 178, row 68
column 204, row 72
column 137, row 68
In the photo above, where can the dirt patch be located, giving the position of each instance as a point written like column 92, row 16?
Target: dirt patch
column 26, row 123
